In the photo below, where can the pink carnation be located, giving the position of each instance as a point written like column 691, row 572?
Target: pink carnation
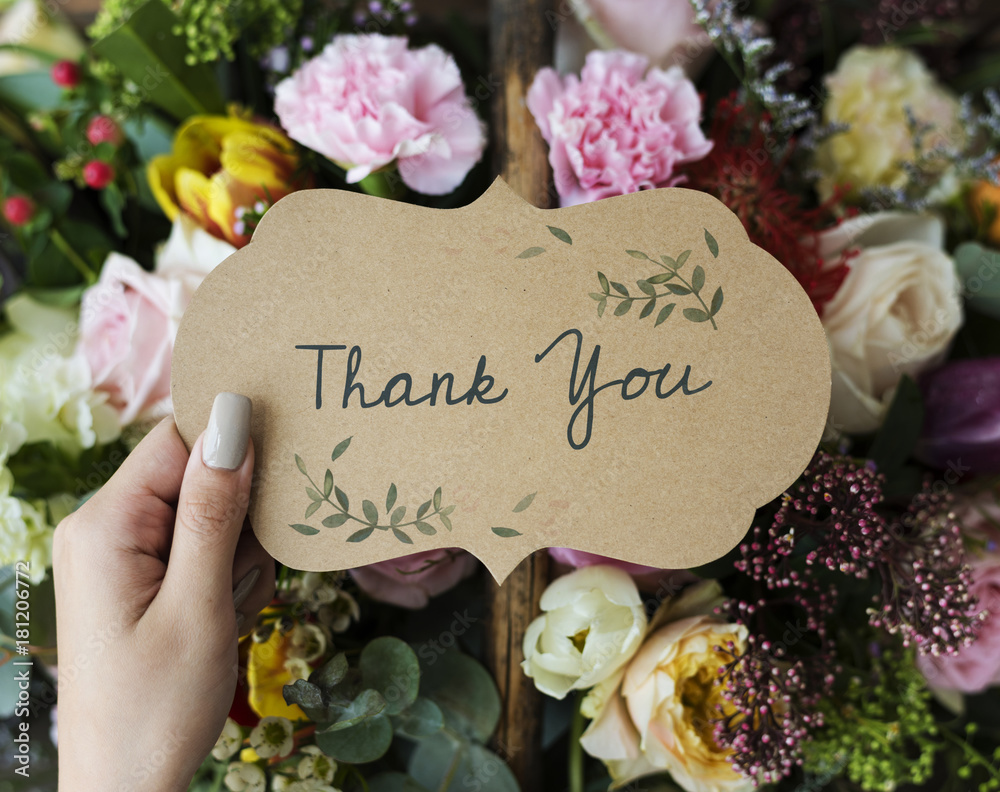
column 612, row 131
column 647, row 578
column 411, row 581
column 367, row 101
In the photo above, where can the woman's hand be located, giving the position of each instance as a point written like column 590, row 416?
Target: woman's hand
column 155, row 577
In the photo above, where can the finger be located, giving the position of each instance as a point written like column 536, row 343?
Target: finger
column 154, row 469
column 253, row 580
column 212, row 504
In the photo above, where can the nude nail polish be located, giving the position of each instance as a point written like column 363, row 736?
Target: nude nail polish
column 225, row 443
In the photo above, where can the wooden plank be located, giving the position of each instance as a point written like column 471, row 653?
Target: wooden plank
column 521, row 38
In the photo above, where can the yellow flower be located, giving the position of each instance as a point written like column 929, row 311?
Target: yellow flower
column 985, row 201
column 872, row 91
column 219, row 168
column 657, row 714
column 270, row 667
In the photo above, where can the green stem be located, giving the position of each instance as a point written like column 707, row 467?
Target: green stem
column 971, row 752
column 656, row 296
column 575, row 758
column 365, row 523
column 74, row 258
column 677, row 275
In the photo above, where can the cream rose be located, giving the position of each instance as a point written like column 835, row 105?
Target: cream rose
column 872, row 91
column 28, row 23
column 896, row 312
column 592, row 622
column 657, row 715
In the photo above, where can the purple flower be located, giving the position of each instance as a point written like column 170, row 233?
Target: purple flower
column 962, row 416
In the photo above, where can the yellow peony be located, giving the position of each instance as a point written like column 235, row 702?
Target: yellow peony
column 657, row 715
column 871, row 91
column 220, row 169
column 270, row 666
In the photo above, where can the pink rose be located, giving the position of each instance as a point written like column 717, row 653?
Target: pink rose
column 613, row 131
column 129, row 319
column 646, row 577
column 411, row 581
column 367, row 101
column 975, row 667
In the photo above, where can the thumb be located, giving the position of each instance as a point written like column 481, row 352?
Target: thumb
column 212, row 505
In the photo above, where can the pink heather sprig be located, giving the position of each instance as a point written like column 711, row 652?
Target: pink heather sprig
column 775, row 709
column 926, row 597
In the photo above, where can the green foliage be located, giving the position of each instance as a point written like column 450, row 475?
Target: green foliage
column 674, row 284
column 886, row 709
column 979, row 271
column 331, row 495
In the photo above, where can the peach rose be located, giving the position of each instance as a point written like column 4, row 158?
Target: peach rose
column 657, row 714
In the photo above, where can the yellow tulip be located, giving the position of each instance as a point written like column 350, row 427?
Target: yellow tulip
column 219, row 168
column 269, row 668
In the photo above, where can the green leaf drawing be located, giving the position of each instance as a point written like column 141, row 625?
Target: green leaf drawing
column 561, row 235
column 713, row 246
column 716, row 301
column 342, row 446
column 524, row 503
column 531, row 252
column 674, row 285
column 402, row 536
column 335, row 520
column 697, row 279
column 360, row 536
column 664, row 314
column 696, row 315
column 505, row 533
column 369, row 519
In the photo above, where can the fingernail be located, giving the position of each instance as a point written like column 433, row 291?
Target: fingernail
column 242, row 589
column 225, row 443
column 240, row 622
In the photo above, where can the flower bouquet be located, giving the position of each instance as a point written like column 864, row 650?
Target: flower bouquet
column 850, row 642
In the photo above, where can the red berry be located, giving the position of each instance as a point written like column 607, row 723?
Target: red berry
column 66, row 74
column 98, row 174
column 18, row 210
column 103, row 129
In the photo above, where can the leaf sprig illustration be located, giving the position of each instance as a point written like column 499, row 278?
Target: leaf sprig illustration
column 558, row 233
column 674, row 284
column 335, row 497
column 524, row 503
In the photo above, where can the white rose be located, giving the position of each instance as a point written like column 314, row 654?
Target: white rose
column 896, row 312
column 592, row 622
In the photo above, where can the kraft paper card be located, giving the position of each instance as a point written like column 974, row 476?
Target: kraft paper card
column 630, row 377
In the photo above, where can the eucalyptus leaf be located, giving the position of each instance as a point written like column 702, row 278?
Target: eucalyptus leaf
column 445, row 764
column 331, row 673
column 661, row 277
column 618, row 287
column 646, row 287
column 366, row 705
column 682, row 258
column 308, row 697
column 716, row 301
column 421, row 719
column 345, row 504
column 680, row 291
column 669, row 261
column 371, row 512
column 695, row 315
column 360, row 536
column 426, row 528
column 605, row 285
column 637, row 254
column 648, row 308
column 305, row 530
column 328, row 483
column 524, row 503
column 312, row 508
column 505, row 533
column 423, row 509
column 390, row 498
column 464, row 691
column 301, row 465
column 389, row 666
column 402, row 536
column 531, row 252
column 397, row 516
column 445, row 520
column 437, row 499
column 364, row 742
column 601, row 306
